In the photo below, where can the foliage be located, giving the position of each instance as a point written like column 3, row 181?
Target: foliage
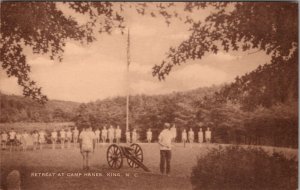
column 44, row 28
column 21, row 109
column 244, row 168
column 235, row 26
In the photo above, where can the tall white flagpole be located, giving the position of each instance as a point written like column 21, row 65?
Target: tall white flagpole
column 128, row 83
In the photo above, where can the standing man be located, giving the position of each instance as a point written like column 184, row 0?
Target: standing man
column 118, row 134
column 41, row 138
column 62, row 138
column 75, row 135
column 69, row 137
column 184, row 137
column 87, row 145
column 149, row 135
column 208, row 135
column 104, row 134
column 4, row 138
column 165, row 140
column 53, row 138
column 200, row 136
column 127, row 134
column 134, row 136
column 97, row 133
column 111, row 134
column 191, row 136
column 12, row 138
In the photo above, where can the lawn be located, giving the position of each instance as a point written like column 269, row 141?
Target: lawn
column 68, row 162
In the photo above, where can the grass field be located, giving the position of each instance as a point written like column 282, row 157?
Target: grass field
column 69, row 162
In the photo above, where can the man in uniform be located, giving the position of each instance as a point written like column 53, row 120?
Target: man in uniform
column 127, row 134
column 87, row 145
column 208, row 135
column 165, row 140
column 104, row 134
column 191, row 136
column 118, row 134
column 54, row 138
column 149, row 135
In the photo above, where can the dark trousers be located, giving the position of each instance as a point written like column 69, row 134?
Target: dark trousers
column 165, row 159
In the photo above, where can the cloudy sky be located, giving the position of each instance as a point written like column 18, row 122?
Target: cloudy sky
column 98, row 70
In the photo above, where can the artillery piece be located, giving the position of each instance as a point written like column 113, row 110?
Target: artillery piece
column 133, row 153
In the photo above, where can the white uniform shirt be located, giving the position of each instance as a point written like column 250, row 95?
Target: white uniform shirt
column 104, row 133
column 62, row 134
column 191, row 134
column 208, row 134
column 12, row 135
column 149, row 134
column 118, row 133
column 54, row 134
column 87, row 138
column 111, row 133
column 97, row 133
column 165, row 139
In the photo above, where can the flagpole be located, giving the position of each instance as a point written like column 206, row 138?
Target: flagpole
column 128, row 83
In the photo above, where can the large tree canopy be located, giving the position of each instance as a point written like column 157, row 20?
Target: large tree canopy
column 271, row 27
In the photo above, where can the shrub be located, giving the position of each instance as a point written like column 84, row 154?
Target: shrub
column 244, row 168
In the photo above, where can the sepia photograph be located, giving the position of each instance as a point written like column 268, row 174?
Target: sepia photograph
column 149, row 95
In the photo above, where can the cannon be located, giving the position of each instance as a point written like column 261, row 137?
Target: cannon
column 133, row 154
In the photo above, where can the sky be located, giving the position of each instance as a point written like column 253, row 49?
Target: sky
column 98, row 70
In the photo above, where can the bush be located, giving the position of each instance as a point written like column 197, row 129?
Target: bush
column 244, row 168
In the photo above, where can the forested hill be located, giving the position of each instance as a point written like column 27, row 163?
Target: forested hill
column 20, row 109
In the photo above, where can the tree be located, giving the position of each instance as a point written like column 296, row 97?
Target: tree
column 235, row 26
column 45, row 29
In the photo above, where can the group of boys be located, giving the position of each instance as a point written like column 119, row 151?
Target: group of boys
column 22, row 140
column 190, row 136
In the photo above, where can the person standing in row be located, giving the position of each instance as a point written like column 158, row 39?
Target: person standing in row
column 200, row 136
column 111, row 133
column 41, row 138
column 118, row 134
column 127, row 134
column 191, row 136
column 35, row 137
column 24, row 140
column 104, row 134
column 208, row 135
column 149, row 135
column 75, row 135
column 62, row 134
column 184, row 137
column 165, row 140
column 69, row 137
column 12, row 138
column 4, row 139
column 134, row 136
column 54, row 138
column 97, row 133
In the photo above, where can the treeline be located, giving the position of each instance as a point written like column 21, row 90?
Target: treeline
column 20, row 109
column 260, row 107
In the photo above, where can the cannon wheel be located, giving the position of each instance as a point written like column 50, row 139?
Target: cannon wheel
column 137, row 153
column 114, row 157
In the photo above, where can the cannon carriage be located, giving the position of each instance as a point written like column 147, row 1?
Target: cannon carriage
column 133, row 154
